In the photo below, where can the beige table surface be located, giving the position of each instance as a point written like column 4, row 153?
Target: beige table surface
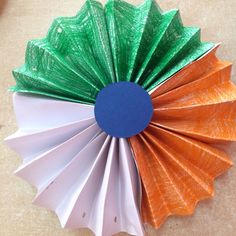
column 22, row 20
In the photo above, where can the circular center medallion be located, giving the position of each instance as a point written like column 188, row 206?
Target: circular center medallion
column 123, row 109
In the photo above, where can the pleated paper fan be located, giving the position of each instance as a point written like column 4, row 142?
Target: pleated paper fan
column 124, row 116
column 76, row 59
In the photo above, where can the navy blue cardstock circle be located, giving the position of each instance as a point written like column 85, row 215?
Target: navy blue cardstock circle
column 123, row 109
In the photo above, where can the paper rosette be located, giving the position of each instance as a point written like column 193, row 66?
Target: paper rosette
column 110, row 165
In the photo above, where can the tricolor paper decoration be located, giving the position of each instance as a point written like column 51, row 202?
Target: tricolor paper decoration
column 124, row 117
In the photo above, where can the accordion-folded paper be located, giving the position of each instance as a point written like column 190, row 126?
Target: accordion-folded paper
column 82, row 97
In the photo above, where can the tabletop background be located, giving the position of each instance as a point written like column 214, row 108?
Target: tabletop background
column 22, row 20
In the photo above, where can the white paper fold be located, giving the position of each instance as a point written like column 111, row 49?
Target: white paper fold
column 87, row 177
column 39, row 113
column 29, row 143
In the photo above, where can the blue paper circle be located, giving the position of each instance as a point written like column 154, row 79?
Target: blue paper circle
column 123, row 109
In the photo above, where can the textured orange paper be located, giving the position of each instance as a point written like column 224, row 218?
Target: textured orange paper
column 177, row 155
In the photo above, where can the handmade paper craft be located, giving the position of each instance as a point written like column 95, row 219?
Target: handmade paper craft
column 124, row 117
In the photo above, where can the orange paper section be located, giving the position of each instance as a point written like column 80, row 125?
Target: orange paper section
column 177, row 155
column 176, row 172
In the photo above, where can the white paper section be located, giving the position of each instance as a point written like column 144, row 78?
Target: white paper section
column 27, row 144
column 42, row 169
column 98, row 189
column 45, row 123
column 87, row 177
column 40, row 113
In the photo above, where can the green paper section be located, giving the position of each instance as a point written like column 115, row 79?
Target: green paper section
column 121, row 42
column 73, row 62
column 149, row 46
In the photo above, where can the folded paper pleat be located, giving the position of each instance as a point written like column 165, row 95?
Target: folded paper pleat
column 87, row 177
column 94, row 180
column 102, row 45
column 182, row 150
